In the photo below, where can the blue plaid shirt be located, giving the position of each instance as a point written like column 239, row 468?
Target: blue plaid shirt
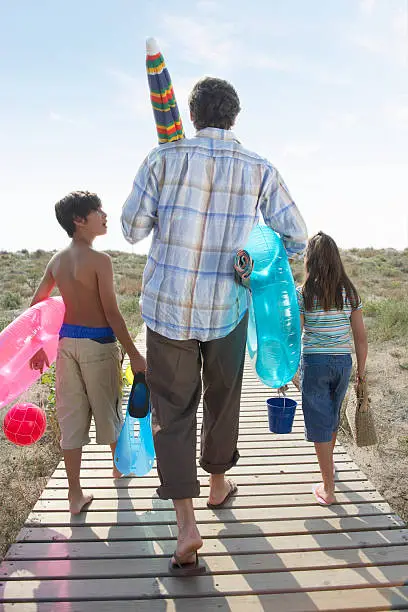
column 201, row 197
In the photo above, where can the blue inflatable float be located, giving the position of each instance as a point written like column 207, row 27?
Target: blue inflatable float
column 274, row 334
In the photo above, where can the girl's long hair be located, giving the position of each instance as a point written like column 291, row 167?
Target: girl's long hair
column 326, row 280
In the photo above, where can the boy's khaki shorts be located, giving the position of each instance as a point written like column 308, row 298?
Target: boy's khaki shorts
column 88, row 383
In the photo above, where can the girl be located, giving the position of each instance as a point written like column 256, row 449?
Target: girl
column 330, row 309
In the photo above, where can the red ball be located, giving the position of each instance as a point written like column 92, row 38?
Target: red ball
column 24, row 424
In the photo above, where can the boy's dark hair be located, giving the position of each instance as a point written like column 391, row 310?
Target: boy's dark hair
column 77, row 204
column 213, row 103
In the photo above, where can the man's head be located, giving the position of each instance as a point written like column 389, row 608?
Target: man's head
column 213, row 103
column 81, row 209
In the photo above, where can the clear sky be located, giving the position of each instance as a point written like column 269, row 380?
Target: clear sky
column 323, row 87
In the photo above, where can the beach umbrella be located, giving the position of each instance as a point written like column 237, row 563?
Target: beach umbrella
column 166, row 113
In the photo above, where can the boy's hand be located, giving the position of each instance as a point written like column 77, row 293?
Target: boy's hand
column 39, row 360
column 137, row 363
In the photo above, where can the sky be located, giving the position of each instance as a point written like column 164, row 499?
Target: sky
column 323, row 86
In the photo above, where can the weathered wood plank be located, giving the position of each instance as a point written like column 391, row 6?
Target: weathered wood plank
column 216, row 564
column 68, row 549
column 253, row 490
column 207, row 585
column 261, row 455
column 99, row 471
column 225, row 515
column 240, row 479
column 339, row 600
column 239, row 501
column 218, row 529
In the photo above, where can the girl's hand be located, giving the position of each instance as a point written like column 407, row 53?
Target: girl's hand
column 296, row 381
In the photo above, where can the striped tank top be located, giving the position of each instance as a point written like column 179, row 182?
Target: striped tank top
column 326, row 331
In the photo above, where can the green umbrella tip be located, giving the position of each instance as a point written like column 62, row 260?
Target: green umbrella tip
column 152, row 48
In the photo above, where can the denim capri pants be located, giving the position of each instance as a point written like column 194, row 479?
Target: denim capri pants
column 325, row 379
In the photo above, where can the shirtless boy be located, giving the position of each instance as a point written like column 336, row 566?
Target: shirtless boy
column 88, row 376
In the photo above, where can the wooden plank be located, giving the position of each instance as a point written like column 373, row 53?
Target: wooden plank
column 98, row 471
column 68, row 549
column 339, row 600
column 284, row 442
column 240, row 479
column 263, row 454
column 225, row 515
column 218, row 529
column 247, row 490
column 289, row 459
column 207, row 585
column 216, row 564
column 239, row 501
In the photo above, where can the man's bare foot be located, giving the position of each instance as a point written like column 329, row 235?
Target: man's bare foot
column 78, row 502
column 322, row 496
column 116, row 473
column 220, row 489
column 187, row 546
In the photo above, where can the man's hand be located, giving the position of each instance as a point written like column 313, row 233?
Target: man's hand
column 39, row 360
column 137, row 363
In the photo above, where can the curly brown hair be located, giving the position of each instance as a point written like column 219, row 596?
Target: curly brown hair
column 213, row 103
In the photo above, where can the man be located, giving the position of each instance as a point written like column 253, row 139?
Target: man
column 201, row 197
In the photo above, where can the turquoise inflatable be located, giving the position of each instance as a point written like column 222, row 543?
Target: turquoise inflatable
column 274, row 334
column 134, row 453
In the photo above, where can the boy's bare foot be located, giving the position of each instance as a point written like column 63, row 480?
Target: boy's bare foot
column 116, row 473
column 78, row 502
column 322, row 496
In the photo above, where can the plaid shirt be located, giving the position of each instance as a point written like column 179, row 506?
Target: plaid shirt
column 202, row 197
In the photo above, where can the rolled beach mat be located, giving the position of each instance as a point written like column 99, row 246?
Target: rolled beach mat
column 243, row 264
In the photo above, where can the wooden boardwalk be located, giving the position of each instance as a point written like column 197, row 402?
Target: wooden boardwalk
column 272, row 549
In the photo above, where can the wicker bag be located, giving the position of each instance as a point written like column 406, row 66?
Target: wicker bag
column 359, row 415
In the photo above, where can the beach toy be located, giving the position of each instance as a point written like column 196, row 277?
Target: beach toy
column 274, row 334
column 281, row 412
column 134, row 453
column 36, row 328
column 129, row 375
column 24, row 424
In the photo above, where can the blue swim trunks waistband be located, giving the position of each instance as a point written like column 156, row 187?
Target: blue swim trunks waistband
column 79, row 331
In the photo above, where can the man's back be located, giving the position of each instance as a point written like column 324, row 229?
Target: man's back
column 75, row 273
column 202, row 196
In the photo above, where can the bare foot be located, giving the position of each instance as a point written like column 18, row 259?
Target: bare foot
column 220, row 487
column 116, row 473
column 187, row 546
column 325, row 496
column 78, row 502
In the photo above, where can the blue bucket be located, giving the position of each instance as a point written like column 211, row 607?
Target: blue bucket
column 281, row 412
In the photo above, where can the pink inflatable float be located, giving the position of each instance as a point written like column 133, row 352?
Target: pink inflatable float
column 36, row 328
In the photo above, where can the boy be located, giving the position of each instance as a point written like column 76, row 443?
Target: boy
column 88, row 372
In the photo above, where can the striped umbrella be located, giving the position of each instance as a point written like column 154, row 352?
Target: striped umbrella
column 166, row 113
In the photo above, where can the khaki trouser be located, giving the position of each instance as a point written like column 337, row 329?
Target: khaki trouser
column 88, row 383
column 174, row 378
